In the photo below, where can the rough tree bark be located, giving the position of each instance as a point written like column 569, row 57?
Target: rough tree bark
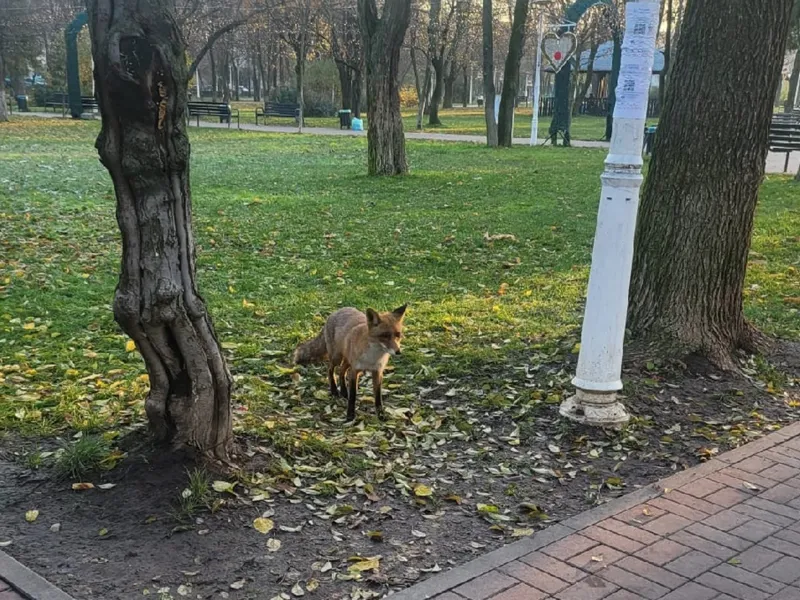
column 436, row 56
column 487, row 19
column 662, row 78
column 3, row 107
column 587, row 81
column 451, row 72
column 383, row 37
column 214, row 78
column 505, row 125
column 141, row 80
column 696, row 217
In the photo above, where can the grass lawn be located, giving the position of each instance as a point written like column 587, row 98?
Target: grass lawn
column 288, row 229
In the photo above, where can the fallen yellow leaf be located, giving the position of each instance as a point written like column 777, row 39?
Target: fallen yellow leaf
column 79, row 487
column 31, row 516
column 422, row 490
column 263, row 525
column 130, row 346
column 368, row 564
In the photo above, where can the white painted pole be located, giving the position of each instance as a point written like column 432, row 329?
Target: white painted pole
column 197, row 81
column 598, row 376
column 537, row 84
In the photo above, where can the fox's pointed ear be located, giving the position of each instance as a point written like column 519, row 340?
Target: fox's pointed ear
column 373, row 318
column 400, row 312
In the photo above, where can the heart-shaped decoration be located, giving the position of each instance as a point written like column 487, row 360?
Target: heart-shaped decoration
column 558, row 50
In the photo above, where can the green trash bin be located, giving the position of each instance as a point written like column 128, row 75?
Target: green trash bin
column 22, row 103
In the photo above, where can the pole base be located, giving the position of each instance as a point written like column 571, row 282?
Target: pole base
column 596, row 409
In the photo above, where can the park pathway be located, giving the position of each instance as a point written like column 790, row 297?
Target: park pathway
column 775, row 161
column 728, row 529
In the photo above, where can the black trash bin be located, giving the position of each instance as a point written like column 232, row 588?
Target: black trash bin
column 22, row 103
column 345, row 118
column 480, row 101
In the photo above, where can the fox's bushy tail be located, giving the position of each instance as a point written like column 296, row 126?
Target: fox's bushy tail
column 314, row 350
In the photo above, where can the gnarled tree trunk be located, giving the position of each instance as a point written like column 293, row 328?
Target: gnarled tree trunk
column 505, row 124
column 791, row 98
column 438, row 90
column 696, row 217
column 487, row 20
column 141, row 79
column 3, row 107
column 383, row 38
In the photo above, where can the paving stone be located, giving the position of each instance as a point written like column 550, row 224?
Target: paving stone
column 755, row 530
column 701, row 488
column 4, row 586
column 534, row 577
column 736, row 479
column 786, row 570
column 624, row 595
column 449, row 596
column 782, row 472
column 727, row 497
column 789, row 593
column 745, row 577
column 692, row 564
column 652, row 572
column 774, row 507
column 629, row 531
column 781, row 493
column 757, row 558
column 521, row 592
column 641, row 514
column 668, row 506
column 485, row 586
column 613, row 540
column 695, row 503
column 591, row 588
column 731, row 587
column 692, row 591
column 726, row 520
column 588, row 560
column 10, row 594
column 569, row 546
column 662, row 552
column 720, row 537
column 703, row 545
column 760, row 513
column 555, row 567
column 634, row 583
column 754, row 464
column 782, row 546
column 668, row 524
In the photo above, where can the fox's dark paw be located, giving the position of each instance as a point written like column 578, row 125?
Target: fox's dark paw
column 381, row 415
column 350, row 419
column 335, row 393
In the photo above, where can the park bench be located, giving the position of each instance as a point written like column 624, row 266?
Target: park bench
column 55, row 101
column 278, row 109
column 213, row 109
column 61, row 100
column 784, row 135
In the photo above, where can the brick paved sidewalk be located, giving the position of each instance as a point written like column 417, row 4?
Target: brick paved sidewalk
column 6, row 593
column 728, row 529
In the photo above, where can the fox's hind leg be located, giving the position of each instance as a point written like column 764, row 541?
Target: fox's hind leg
column 352, row 389
column 332, row 379
column 343, row 379
column 377, row 381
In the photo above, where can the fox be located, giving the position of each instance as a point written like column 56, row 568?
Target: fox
column 355, row 342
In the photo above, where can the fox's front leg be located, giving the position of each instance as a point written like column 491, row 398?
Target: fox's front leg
column 352, row 389
column 377, row 382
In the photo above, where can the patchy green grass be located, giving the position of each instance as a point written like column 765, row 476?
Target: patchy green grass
column 288, row 229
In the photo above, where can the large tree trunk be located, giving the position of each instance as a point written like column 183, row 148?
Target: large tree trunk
column 584, row 89
column 345, row 83
column 355, row 102
column 450, row 73
column 438, row 90
column 488, row 73
column 465, row 99
column 3, row 107
column 696, row 217
column 383, row 37
column 791, row 99
column 235, row 70
column 256, row 74
column 505, row 125
column 213, row 76
column 616, row 61
column 141, row 78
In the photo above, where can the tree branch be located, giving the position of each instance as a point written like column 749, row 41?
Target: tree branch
column 218, row 34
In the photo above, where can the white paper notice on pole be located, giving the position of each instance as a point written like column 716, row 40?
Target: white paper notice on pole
column 638, row 50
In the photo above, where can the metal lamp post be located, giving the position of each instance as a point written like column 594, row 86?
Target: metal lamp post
column 598, row 376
